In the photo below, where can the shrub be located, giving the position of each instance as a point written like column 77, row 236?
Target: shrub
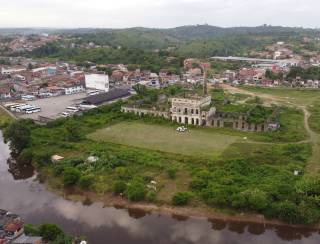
column 287, row 211
column 257, row 199
column 172, row 172
column 135, row 191
column 119, row 186
column 181, row 198
column 151, row 196
column 58, row 169
column 31, row 230
column 85, row 181
column 42, row 158
column 50, row 231
column 71, row 176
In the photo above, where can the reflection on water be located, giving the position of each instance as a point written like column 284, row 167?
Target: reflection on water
column 18, row 171
column 119, row 226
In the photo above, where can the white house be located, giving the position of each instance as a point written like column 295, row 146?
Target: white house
column 73, row 88
column 97, row 82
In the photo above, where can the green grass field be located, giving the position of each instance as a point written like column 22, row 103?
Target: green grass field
column 295, row 96
column 197, row 142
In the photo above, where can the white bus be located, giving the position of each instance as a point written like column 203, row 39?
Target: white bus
column 28, row 97
column 72, row 109
column 32, row 110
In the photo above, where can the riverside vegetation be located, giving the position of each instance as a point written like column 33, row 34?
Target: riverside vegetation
column 254, row 175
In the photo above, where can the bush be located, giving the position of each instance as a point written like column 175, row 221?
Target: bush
column 172, row 172
column 119, row 186
column 287, row 211
column 31, row 230
column 42, row 158
column 85, row 181
column 58, row 169
column 181, row 198
column 50, row 231
column 135, row 191
column 71, row 176
column 123, row 173
column 257, row 199
column 151, row 196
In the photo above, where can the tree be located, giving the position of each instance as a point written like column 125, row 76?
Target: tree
column 135, row 191
column 19, row 135
column 181, row 198
column 50, row 232
column 71, row 176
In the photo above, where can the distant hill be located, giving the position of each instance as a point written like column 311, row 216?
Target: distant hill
column 181, row 33
column 208, row 31
column 195, row 40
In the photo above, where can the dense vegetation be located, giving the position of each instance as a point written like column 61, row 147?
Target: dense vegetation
column 312, row 73
column 248, row 176
column 50, row 233
column 134, row 58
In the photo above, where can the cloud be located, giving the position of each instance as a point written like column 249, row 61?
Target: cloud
column 157, row 13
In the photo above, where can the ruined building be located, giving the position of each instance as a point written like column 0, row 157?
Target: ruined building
column 197, row 110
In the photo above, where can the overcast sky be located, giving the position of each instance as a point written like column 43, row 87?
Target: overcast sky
column 157, row 13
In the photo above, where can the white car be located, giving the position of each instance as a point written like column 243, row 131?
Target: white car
column 65, row 114
column 182, row 129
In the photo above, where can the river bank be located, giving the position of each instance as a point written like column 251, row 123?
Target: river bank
column 140, row 223
column 202, row 212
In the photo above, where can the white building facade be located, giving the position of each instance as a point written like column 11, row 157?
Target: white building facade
column 97, row 82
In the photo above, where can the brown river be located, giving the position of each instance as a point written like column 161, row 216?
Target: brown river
column 21, row 193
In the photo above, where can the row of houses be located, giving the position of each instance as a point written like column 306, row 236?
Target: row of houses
column 49, row 80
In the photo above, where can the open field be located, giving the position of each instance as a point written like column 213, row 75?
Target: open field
column 197, row 142
column 289, row 95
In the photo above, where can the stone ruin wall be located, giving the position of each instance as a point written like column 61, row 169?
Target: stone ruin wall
column 209, row 119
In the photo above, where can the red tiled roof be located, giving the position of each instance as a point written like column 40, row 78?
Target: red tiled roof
column 14, row 226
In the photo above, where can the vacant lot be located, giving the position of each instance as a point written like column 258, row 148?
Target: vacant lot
column 196, row 142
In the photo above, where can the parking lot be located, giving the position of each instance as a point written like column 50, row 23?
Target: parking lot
column 52, row 107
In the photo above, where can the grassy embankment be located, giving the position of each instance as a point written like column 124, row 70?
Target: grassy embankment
column 5, row 118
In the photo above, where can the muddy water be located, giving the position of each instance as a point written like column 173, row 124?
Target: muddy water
column 21, row 193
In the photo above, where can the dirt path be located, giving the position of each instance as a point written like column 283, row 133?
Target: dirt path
column 313, row 166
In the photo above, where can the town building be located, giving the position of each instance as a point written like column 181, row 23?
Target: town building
column 97, row 82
